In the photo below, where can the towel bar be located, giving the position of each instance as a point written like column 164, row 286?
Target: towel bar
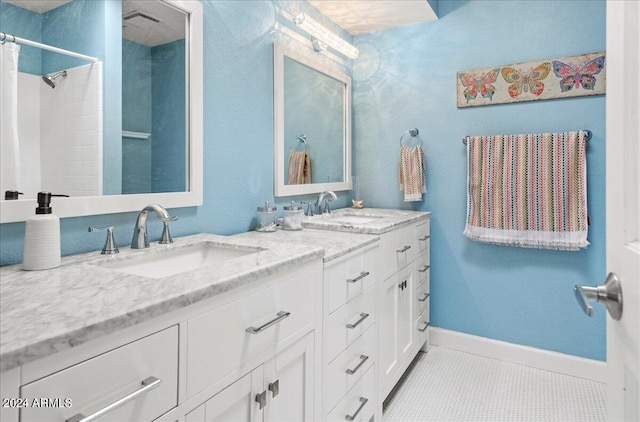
column 413, row 132
column 466, row 138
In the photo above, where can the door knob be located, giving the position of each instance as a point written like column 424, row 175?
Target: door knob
column 609, row 293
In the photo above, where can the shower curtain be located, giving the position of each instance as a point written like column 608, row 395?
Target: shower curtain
column 9, row 145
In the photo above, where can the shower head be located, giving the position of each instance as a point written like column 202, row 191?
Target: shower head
column 50, row 79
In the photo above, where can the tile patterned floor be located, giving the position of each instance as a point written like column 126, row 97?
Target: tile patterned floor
column 447, row 385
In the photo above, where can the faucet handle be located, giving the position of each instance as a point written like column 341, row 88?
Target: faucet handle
column 166, row 236
column 309, row 204
column 110, row 247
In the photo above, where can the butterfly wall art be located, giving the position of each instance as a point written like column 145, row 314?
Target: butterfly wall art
column 563, row 77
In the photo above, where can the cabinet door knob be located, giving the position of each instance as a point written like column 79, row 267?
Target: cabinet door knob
column 147, row 385
column 261, row 399
column 274, row 387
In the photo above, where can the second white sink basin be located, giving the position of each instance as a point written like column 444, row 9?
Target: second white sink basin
column 179, row 260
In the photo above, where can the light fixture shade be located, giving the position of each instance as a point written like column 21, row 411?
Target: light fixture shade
column 320, row 32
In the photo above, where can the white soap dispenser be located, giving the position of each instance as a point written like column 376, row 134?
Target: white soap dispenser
column 42, row 237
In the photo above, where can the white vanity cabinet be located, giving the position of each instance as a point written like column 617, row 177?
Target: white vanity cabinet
column 350, row 336
column 281, row 389
column 403, row 299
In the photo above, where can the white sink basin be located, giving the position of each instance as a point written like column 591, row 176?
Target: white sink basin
column 179, row 260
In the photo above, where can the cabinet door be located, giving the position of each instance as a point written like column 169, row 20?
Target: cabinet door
column 237, row 402
column 388, row 357
column 406, row 333
column 289, row 383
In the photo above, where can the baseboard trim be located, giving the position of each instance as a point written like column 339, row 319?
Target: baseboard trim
column 590, row 369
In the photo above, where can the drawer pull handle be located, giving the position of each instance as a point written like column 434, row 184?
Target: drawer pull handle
column 362, row 275
column 406, row 248
column 363, row 359
column 363, row 316
column 424, row 297
column 424, row 268
column 281, row 315
column 147, row 385
column 274, row 387
column 261, row 399
column 422, row 239
column 426, row 325
column 363, row 402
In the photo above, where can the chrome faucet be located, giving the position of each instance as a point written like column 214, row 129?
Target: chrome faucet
column 321, row 198
column 140, row 238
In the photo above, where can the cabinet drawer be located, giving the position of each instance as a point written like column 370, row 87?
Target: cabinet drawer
column 397, row 249
column 357, row 400
column 219, row 342
column 360, row 314
column 423, row 235
column 356, row 359
column 346, row 279
column 422, row 299
column 94, row 384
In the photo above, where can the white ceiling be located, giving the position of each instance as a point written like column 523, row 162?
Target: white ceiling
column 38, row 6
column 142, row 31
column 363, row 16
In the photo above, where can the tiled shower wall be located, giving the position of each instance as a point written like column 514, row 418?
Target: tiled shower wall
column 71, row 133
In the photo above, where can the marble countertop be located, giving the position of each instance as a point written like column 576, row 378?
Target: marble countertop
column 335, row 243
column 44, row 312
column 367, row 220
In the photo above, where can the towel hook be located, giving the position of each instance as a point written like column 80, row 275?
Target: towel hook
column 413, row 132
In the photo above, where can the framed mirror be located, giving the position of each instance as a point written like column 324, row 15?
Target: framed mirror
column 312, row 124
column 147, row 151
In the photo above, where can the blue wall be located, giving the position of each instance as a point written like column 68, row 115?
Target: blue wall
column 26, row 24
column 406, row 78
column 517, row 295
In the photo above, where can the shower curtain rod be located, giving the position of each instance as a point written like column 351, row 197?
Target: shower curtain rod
column 12, row 38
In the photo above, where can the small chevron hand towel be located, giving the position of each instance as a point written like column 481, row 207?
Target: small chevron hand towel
column 528, row 190
column 412, row 175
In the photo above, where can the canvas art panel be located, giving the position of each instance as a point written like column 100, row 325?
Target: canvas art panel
column 572, row 76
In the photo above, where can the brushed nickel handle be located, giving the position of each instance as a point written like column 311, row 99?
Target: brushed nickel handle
column 261, row 399
column 422, row 239
column 147, row 385
column 424, row 268
column 363, row 359
column 426, row 325
column 274, row 387
column 363, row 402
column 281, row 315
column 362, row 275
column 363, row 316
column 406, row 248
column 424, row 297
column 609, row 293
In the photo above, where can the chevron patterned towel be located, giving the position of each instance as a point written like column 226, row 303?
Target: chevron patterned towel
column 412, row 175
column 528, row 190
column 299, row 168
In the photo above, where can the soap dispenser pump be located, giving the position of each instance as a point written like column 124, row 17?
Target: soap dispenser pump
column 42, row 237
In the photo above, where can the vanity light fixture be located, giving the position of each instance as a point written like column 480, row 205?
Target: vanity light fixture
column 323, row 35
